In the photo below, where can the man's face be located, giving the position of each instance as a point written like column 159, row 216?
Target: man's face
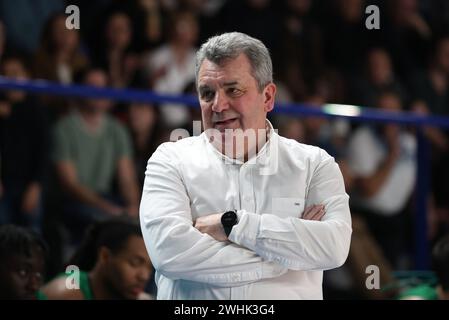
column 97, row 78
column 21, row 276
column 129, row 270
column 229, row 96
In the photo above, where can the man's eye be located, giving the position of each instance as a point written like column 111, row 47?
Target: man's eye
column 135, row 262
column 207, row 95
column 39, row 276
column 234, row 91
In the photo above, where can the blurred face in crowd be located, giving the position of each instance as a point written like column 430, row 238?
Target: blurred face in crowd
column 142, row 117
column 390, row 102
column 118, row 31
column 21, row 275
column 127, row 271
column 351, row 10
column 185, row 29
column 379, row 66
column 63, row 39
column 299, row 6
column 97, row 78
column 14, row 68
column 230, row 98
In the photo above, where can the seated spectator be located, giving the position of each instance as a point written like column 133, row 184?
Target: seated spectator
column 23, row 151
column 382, row 161
column 171, row 67
column 59, row 57
column 431, row 93
column 379, row 77
column 22, row 267
column 113, row 52
column 91, row 150
column 440, row 266
column 143, row 118
column 114, row 264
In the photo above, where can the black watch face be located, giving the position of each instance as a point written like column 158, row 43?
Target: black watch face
column 229, row 218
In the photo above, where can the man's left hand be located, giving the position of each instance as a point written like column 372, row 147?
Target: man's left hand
column 211, row 225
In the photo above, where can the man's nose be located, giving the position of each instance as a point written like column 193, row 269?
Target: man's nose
column 221, row 102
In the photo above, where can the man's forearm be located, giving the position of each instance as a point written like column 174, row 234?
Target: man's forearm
column 87, row 196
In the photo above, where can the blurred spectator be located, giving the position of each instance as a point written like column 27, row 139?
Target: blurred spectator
column 329, row 135
column 432, row 85
column 58, row 59
column 113, row 264
column 59, row 56
column 24, row 20
column 207, row 15
column 171, row 67
column 382, row 161
column 143, row 124
column 261, row 19
column 24, row 149
column 430, row 90
column 23, row 255
column 440, row 266
column 379, row 77
column 407, row 35
column 346, row 39
column 114, row 52
column 91, row 149
column 302, row 48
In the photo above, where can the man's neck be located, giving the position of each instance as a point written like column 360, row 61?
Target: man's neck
column 251, row 148
column 93, row 120
column 98, row 287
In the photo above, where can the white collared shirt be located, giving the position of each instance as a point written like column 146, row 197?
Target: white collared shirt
column 272, row 253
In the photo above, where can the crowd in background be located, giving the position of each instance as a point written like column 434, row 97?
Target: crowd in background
column 68, row 163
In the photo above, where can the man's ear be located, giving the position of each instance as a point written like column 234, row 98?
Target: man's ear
column 269, row 93
column 104, row 254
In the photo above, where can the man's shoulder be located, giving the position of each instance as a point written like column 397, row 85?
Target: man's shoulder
column 182, row 147
column 66, row 123
column 302, row 151
column 57, row 289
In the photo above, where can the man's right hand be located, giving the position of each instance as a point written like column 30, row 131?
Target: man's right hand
column 315, row 212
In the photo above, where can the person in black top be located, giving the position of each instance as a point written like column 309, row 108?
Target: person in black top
column 23, row 151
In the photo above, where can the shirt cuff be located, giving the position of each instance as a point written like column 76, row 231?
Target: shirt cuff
column 245, row 232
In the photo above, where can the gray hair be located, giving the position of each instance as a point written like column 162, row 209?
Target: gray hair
column 229, row 46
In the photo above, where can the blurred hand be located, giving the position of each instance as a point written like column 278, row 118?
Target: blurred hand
column 113, row 209
column 315, row 212
column 391, row 133
column 211, row 225
column 31, row 198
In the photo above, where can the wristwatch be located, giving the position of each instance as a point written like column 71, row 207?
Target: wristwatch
column 228, row 220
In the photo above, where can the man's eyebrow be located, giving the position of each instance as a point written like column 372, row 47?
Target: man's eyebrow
column 203, row 87
column 232, row 83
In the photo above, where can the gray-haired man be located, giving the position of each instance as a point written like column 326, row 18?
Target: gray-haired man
column 218, row 226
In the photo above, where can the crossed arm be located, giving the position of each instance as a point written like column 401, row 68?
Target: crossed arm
column 182, row 250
